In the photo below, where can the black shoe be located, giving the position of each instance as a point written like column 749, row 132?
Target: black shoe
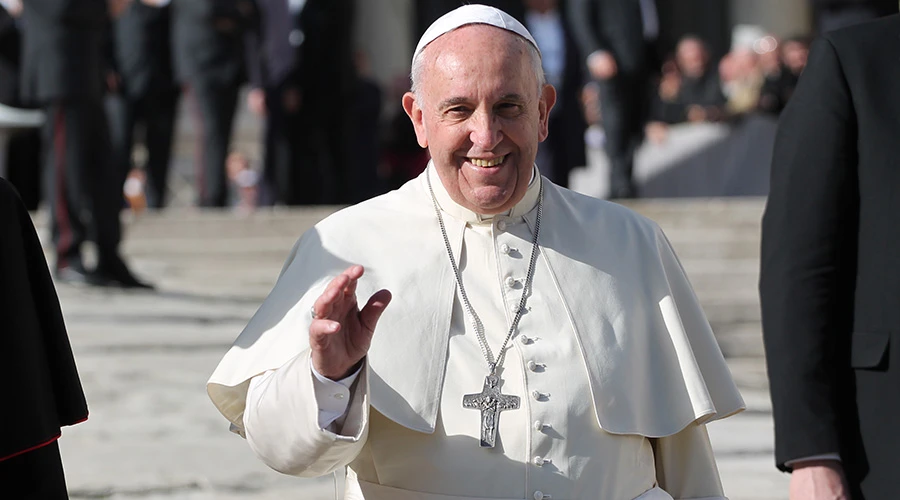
column 119, row 275
column 77, row 275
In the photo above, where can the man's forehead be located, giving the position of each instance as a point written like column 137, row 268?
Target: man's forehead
column 472, row 15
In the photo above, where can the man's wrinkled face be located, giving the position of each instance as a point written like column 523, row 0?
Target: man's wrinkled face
column 481, row 114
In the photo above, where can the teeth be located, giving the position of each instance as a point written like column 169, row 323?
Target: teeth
column 478, row 162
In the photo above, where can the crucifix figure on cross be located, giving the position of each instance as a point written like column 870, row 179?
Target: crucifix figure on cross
column 491, row 402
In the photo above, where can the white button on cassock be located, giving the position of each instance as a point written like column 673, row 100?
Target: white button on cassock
column 538, row 495
column 510, row 281
column 501, row 225
column 539, row 461
column 532, row 365
column 514, row 308
column 538, row 425
column 504, row 249
column 525, row 340
column 338, row 396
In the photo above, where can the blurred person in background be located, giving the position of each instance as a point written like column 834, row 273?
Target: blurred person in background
column 23, row 159
column 146, row 96
column 665, row 109
column 63, row 71
column 564, row 148
column 209, row 63
column 700, row 91
column 43, row 391
column 741, row 71
column 835, row 14
column 614, row 36
column 779, row 85
column 290, row 56
column 829, row 280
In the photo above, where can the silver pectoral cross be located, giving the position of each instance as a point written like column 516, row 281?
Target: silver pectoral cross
column 491, row 402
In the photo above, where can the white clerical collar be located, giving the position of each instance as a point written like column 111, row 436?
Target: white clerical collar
column 527, row 204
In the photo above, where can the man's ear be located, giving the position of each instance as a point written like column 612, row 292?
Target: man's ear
column 548, row 99
column 414, row 111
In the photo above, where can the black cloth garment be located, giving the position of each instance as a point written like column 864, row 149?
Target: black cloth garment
column 777, row 90
column 64, row 71
column 835, row 14
column 147, row 99
column 616, row 26
column 210, row 65
column 43, row 392
column 830, row 283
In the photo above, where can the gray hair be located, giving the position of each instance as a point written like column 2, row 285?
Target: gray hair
column 418, row 66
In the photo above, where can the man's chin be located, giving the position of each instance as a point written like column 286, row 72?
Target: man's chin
column 490, row 200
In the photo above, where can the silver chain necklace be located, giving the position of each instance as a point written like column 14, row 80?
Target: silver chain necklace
column 490, row 400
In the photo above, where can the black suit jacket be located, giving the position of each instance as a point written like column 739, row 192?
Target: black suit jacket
column 611, row 25
column 209, row 39
column 830, row 279
column 143, row 49
column 63, row 49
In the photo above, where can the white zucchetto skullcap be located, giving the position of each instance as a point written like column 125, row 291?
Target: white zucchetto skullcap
column 472, row 14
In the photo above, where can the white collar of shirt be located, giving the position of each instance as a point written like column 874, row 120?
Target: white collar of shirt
column 446, row 203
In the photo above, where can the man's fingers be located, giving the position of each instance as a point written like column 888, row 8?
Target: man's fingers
column 320, row 330
column 338, row 288
column 372, row 311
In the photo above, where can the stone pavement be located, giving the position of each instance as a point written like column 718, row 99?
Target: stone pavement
column 144, row 357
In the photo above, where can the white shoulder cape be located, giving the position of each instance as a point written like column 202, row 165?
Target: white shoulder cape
column 653, row 362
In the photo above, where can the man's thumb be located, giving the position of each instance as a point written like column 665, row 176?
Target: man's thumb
column 373, row 309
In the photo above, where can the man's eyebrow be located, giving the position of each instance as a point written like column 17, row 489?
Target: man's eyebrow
column 453, row 101
column 513, row 97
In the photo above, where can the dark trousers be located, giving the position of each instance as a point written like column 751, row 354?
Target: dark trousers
column 155, row 115
column 292, row 164
column 82, row 185
column 622, row 113
column 213, row 107
column 36, row 475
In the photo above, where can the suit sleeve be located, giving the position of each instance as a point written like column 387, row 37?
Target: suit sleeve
column 686, row 466
column 808, row 257
column 281, row 423
column 582, row 19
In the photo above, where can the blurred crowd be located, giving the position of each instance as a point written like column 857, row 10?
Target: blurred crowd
column 326, row 137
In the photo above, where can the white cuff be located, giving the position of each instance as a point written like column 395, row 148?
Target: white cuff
column 332, row 397
column 824, row 456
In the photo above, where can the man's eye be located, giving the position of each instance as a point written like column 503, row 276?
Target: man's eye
column 509, row 108
column 458, row 110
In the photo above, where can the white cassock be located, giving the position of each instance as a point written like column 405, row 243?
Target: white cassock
column 614, row 361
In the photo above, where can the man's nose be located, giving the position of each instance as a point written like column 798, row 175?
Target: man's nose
column 485, row 131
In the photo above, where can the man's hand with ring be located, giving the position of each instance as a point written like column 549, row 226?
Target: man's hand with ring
column 341, row 332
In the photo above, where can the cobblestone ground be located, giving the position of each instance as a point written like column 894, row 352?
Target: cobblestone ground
column 144, row 359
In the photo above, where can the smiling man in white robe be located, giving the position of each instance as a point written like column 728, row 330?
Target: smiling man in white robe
column 512, row 339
